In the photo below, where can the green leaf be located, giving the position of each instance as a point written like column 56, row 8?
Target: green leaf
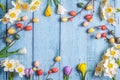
column 7, row 47
column 8, row 54
column 2, row 6
column 56, row 2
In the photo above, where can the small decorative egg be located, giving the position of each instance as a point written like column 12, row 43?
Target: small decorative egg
column 28, row 28
column 103, row 35
column 90, row 20
column 98, row 35
column 54, row 70
column 35, row 20
column 111, row 32
column 85, row 23
column 70, row 19
column 64, row 19
column 49, row 79
column 91, row 30
column 112, row 40
column 58, row 59
column 25, row 18
column 11, row 31
column 103, row 27
column 8, row 40
column 34, row 69
column 40, row 72
column 19, row 25
column 89, row 7
column 17, row 36
column 36, row 63
column 72, row 13
column 88, row 17
column 117, row 40
column 80, row 5
column 18, row 19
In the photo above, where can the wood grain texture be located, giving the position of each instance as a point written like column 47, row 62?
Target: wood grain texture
column 50, row 37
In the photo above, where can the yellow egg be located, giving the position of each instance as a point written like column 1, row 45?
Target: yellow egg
column 58, row 59
column 34, row 69
column 91, row 30
column 11, row 31
column 112, row 40
column 90, row 20
column 64, row 19
column 89, row 7
column 18, row 19
column 35, row 20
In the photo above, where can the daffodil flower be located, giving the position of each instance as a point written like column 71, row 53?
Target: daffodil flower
column 48, row 11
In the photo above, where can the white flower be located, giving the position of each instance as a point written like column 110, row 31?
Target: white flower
column 61, row 9
column 3, row 62
column 20, row 69
column 98, row 70
column 110, row 68
column 12, row 15
column 117, row 46
column 4, row 20
column 9, row 65
column 111, row 52
column 34, row 5
column 22, row 51
column 102, row 13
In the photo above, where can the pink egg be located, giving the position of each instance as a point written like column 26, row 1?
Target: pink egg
column 98, row 36
column 24, row 18
column 85, row 23
column 36, row 63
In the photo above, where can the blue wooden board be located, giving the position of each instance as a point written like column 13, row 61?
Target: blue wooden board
column 50, row 37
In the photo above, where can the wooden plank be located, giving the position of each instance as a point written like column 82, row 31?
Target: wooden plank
column 24, row 42
column 3, row 44
column 73, row 40
column 46, row 40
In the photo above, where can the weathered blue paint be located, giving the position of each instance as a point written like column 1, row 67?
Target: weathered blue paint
column 50, row 37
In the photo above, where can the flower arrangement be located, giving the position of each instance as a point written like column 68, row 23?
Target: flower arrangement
column 107, row 12
column 12, row 14
column 60, row 8
column 110, row 62
column 12, row 67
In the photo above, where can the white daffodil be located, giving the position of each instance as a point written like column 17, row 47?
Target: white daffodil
column 16, row 5
column 98, row 70
column 117, row 46
column 61, row 9
column 36, row 2
column 3, row 62
column 9, row 65
column 109, row 10
column 22, row 51
column 20, row 70
column 110, row 66
column 12, row 15
column 102, row 14
column 104, row 2
column 109, row 74
column 113, row 53
column 4, row 20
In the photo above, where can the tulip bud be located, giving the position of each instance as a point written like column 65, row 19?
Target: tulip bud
column 82, row 68
column 67, row 70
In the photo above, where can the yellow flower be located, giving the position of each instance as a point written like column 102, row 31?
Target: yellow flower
column 24, row 6
column 104, row 2
column 37, row 2
column 109, row 10
column 33, row 8
column 111, row 20
column 82, row 68
column 4, row 20
column 48, row 11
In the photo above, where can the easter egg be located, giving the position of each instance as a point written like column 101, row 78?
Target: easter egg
column 40, row 72
column 104, row 35
column 11, row 31
column 80, row 5
column 112, row 40
column 103, row 27
column 72, row 13
column 91, row 30
column 88, row 17
column 54, row 70
column 64, row 19
column 28, row 28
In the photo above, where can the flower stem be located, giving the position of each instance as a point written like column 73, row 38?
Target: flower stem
column 11, row 75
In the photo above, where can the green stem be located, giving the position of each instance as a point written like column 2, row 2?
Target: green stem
column 6, row 48
column 11, row 75
column 56, row 2
column 8, row 54
column 114, row 78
